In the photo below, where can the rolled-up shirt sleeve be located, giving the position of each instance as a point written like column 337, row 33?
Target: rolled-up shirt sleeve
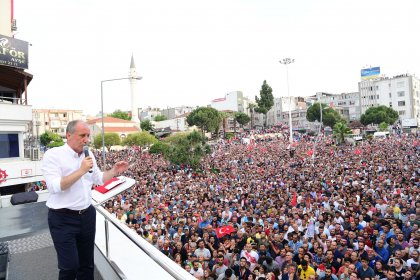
column 51, row 170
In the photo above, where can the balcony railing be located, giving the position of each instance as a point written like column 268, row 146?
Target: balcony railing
column 134, row 257
column 12, row 100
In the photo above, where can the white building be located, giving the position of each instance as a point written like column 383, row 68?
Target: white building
column 148, row 113
column 299, row 120
column 178, row 123
column 401, row 93
column 54, row 120
column 233, row 101
column 171, row 113
column 348, row 103
column 281, row 105
column 119, row 126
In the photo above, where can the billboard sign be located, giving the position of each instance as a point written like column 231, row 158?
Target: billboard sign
column 370, row 73
column 13, row 52
column 411, row 123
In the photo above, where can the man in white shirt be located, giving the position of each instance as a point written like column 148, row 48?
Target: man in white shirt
column 250, row 255
column 69, row 175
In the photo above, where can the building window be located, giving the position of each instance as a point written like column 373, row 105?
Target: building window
column 400, row 84
column 377, row 96
column 401, row 93
column 9, row 145
column 390, row 95
column 401, row 103
column 401, row 113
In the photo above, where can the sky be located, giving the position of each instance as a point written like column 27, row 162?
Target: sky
column 190, row 52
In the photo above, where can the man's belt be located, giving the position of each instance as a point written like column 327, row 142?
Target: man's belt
column 69, row 211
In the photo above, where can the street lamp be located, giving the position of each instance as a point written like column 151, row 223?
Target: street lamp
column 102, row 111
column 287, row 61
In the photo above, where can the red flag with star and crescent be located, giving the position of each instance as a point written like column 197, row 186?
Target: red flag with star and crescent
column 294, row 199
column 222, row 231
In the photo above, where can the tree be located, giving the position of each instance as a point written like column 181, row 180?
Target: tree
column 50, row 139
column 146, row 125
column 355, row 124
column 110, row 139
column 206, row 118
column 160, row 118
column 143, row 138
column 242, row 118
column 120, row 115
column 54, row 144
column 383, row 126
column 340, row 131
column 187, row 149
column 265, row 102
column 313, row 113
column 379, row 114
column 329, row 116
column 159, row 148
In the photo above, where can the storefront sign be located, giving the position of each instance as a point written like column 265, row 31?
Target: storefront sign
column 13, row 52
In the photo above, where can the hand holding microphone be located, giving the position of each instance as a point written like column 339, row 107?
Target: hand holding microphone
column 87, row 161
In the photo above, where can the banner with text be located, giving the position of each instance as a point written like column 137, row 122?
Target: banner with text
column 370, row 73
column 13, row 52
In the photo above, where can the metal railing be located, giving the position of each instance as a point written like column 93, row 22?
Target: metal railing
column 131, row 253
column 12, row 100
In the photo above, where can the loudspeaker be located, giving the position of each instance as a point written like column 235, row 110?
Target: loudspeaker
column 23, row 197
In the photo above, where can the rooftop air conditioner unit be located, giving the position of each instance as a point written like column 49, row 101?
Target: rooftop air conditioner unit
column 35, row 154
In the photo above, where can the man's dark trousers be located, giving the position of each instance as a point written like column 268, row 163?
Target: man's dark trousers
column 74, row 238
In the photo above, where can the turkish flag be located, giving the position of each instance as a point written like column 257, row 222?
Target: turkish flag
column 310, row 153
column 294, row 199
column 222, row 231
column 357, row 152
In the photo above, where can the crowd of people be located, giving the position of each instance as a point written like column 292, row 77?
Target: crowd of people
column 265, row 209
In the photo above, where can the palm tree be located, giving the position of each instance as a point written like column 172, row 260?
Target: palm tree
column 340, row 131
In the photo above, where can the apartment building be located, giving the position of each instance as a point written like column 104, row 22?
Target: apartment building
column 54, row 120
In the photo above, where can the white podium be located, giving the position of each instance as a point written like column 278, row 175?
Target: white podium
column 99, row 197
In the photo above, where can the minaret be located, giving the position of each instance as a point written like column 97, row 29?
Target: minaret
column 133, row 84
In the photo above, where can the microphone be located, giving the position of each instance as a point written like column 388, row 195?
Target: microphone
column 86, row 151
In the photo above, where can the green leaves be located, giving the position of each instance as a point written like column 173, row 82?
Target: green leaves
column 340, row 131
column 143, row 138
column 329, row 116
column 379, row 114
column 146, row 125
column 120, row 115
column 110, row 139
column 206, row 118
column 159, row 148
column 242, row 118
column 50, row 139
column 160, row 118
column 383, row 126
column 266, row 100
column 187, row 149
